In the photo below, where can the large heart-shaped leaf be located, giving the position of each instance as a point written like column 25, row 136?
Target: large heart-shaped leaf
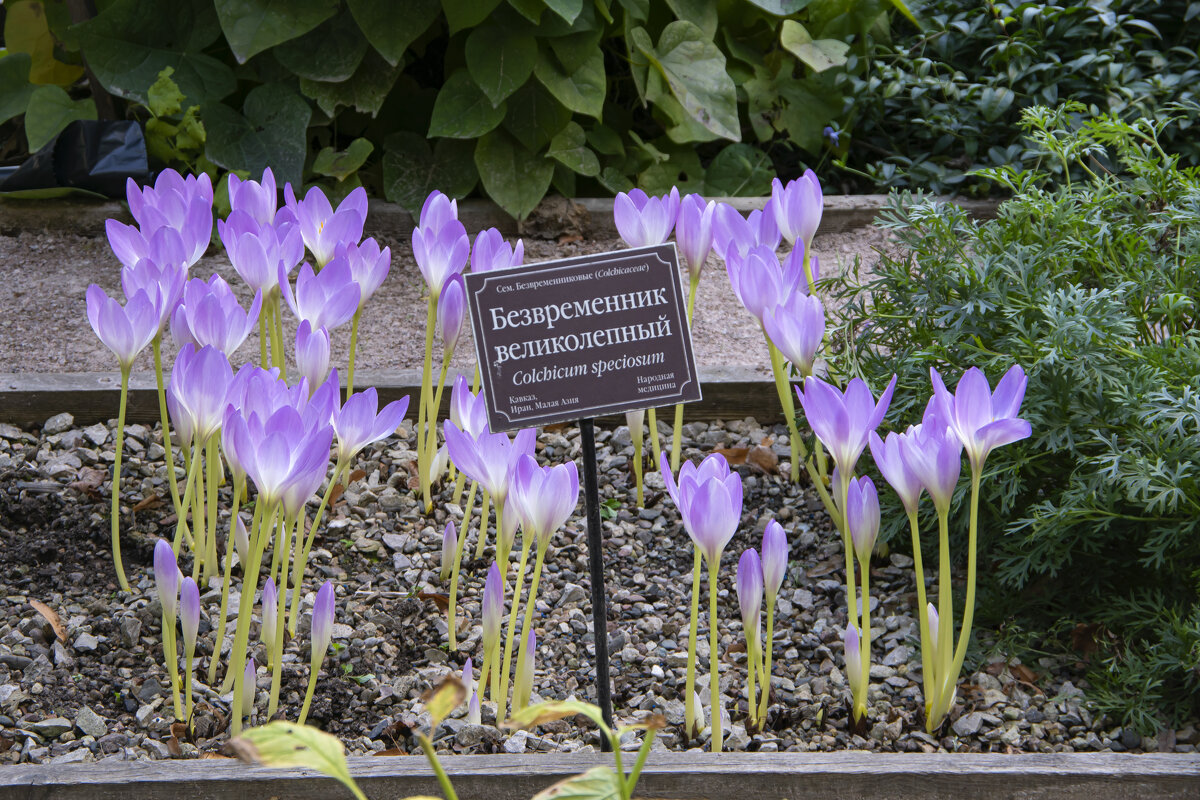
column 535, row 116
column 582, row 90
column 780, row 8
column 341, row 164
column 252, row 26
column 514, row 177
column 27, row 29
column 740, row 170
column 392, row 25
column 411, row 170
column 331, row 51
column 570, row 148
column 500, row 59
column 269, row 132
column 15, row 87
column 462, row 14
column 694, row 68
column 462, row 110
column 132, row 41
column 567, row 9
column 682, row 170
column 818, row 54
column 50, row 110
column 701, row 13
column 365, row 91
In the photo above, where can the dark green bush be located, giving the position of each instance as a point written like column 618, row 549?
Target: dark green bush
column 1092, row 287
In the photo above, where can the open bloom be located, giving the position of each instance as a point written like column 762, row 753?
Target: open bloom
column 750, row 593
column 437, row 211
column 211, row 315
column 796, row 326
column 441, row 252
column 982, row 419
column 369, row 266
column 733, row 233
column 642, row 220
column 492, row 252
column 709, row 499
column 199, row 382
column 166, row 578
column 545, row 497
column 488, row 458
column 862, row 516
column 842, row 421
column 757, row 279
column 359, row 423
column 322, row 621
column 774, row 557
column 468, row 410
column 934, row 456
column 889, row 458
column 694, row 232
column 281, row 454
column 327, row 299
column 323, row 228
column 452, row 312
column 163, row 278
column 312, row 353
column 127, row 329
column 183, row 204
column 260, row 253
column 258, row 200
column 797, row 207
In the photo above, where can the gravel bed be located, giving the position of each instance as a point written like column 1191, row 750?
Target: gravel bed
column 97, row 692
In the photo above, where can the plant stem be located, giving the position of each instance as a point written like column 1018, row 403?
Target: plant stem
column 314, row 667
column 522, row 648
column 172, row 658
column 945, row 613
column 168, row 456
column 506, row 660
column 239, row 486
column 752, row 668
column 638, row 441
column 255, row 523
column 258, row 542
column 353, row 348
column 631, row 781
column 768, row 646
column 187, row 688
column 264, row 322
column 116, row 484
column 783, row 388
column 285, row 544
column 301, row 563
column 655, row 449
column 676, row 435
column 277, row 356
column 964, row 635
column 424, row 430
column 689, row 713
column 486, row 511
column 214, row 472
column 182, row 531
column 848, row 546
column 928, row 677
column 864, row 644
column 443, row 779
column 714, row 675
column 458, row 554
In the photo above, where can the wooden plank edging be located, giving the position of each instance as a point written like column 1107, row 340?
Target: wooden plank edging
column 30, row 398
column 745, row 776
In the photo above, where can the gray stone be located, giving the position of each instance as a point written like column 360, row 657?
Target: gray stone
column 1129, row 737
column 90, row 723
column 51, row 728
column 968, row 724
column 898, row 656
column 156, row 748
column 390, row 500
column 98, row 433
column 7, row 690
column 62, row 657
column 59, row 423
column 149, row 690
column 517, row 743
column 131, row 631
column 572, row 593
column 86, row 643
column 77, row 756
column 471, row 735
column 395, row 541
column 144, row 713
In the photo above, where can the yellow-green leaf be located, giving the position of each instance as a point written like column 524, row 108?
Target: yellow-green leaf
column 285, row 744
column 551, row 710
column 818, row 54
column 598, row 783
column 26, row 30
column 443, row 699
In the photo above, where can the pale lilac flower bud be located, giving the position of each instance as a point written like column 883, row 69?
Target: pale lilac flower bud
column 774, row 558
column 270, row 613
column 694, row 232
column 890, row 459
column 449, row 548
column 932, row 615
column 189, row 613
column 452, row 312
column 166, row 579
column 312, row 353
column 508, row 530
column 493, row 607
column 862, row 516
column 643, row 220
column 797, row 207
column 853, row 656
column 750, row 592
column 322, row 623
column 545, row 497
column 249, row 687
column 241, row 541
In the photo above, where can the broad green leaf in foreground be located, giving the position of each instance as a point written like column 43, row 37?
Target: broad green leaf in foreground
column 535, row 117
column 818, row 54
column 252, row 26
column 740, row 170
column 341, row 164
column 270, row 132
column 551, row 710
column 569, row 148
column 581, row 91
column 567, row 9
column 500, row 59
column 331, row 51
column 411, row 170
column 285, row 744
column 694, row 68
column 50, row 110
column 392, row 25
column 462, row 110
column 15, row 88
column 598, row 783
column 514, row 177
column 365, row 91
column 780, row 8
column 461, row 14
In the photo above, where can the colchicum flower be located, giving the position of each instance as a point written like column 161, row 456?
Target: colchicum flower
column 270, row 615
column 709, row 499
column 449, row 548
column 694, row 232
column 642, row 220
column 889, row 456
column 327, row 299
column 358, row 423
column 210, row 314
column 260, row 254
column 312, row 353
column 257, row 200
column 797, row 208
column 321, row 634
column 441, row 252
column 199, row 382
column 774, row 558
column 369, row 266
column 862, row 517
column 182, row 204
column 492, row 252
column 842, row 421
column 735, row 234
column 982, row 419
column 452, row 313
column 796, row 327
column 128, row 329
column 322, row 228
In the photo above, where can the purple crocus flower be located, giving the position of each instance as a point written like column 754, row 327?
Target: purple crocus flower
column 249, row 687
column 130, row 245
column 793, row 269
column 545, row 497
column 359, row 422
column 757, row 279
column 437, row 211
column 322, row 228
column 750, row 593
column 369, row 266
column 933, row 453
column 258, row 200
column 280, row 454
column 312, row 353
column 842, row 421
column 493, row 607
column 211, row 315
column 126, row 330
column 980, row 418
column 166, row 578
column 468, row 410
column 183, row 204
column 733, row 233
column 199, row 382
column 796, row 327
column 322, row 622
column 854, row 668
column 260, row 253
column 890, row 458
column 327, row 299
column 642, row 220
column 270, row 614
column 709, row 499
column 449, row 548
column 241, row 540
column 189, row 614
column 797, row 207
column 488, row 458
column 862, row 516
column 506, row 537
column 694, row 232
column 452, row 312
column 492, row 252
column 441, row 252
column 162, row 278
column 774, row 558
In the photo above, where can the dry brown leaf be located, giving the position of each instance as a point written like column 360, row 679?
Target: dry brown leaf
column 356, row 475
column 555, row 427
column 215, row 755
column 391, row 751
column 150, row 501
column 1023, row 673
column 442, row 601
column 6, row 744
column 90, row 480
column 569, row 238
column 734, row 455
column 173, row 747
column 824, row 568
column 336, row 494
column 50, row 616
column 764, row 458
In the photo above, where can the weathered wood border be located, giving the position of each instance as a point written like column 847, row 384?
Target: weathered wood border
column 590, row 216
column 745, row 776
column 30, row 398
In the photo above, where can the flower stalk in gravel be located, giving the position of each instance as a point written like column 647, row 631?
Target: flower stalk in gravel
column 189, row 621
column 492, row 610
column 636, row 422
column 441, row 247
column 862, row 518
column 321, row 634
column 694, row 236
column 451, row 321
column 750, row 596
column 709, row 499
column 545, row 498
column 126, row 330
column 982, row 420
column 774, row 567
column 166, row 581
column 369, row 266
column 642, row 221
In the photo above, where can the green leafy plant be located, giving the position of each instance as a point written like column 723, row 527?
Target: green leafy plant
column 1090, row 286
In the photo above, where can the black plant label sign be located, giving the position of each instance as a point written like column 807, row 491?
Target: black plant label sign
column 582, row 337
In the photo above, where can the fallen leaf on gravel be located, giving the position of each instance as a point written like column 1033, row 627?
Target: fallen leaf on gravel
column 441, row 600
column 734, row 455
column 824, row 568
column 569, row 238
column 764, row 458
column 5, row 744
column 215, row 755
column 392, row 751
column 173, row 747
column 150, row 501
column 48, row 614
column 1023, row 673
column 356, row 475
column 90, row 480
column 336, row 494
